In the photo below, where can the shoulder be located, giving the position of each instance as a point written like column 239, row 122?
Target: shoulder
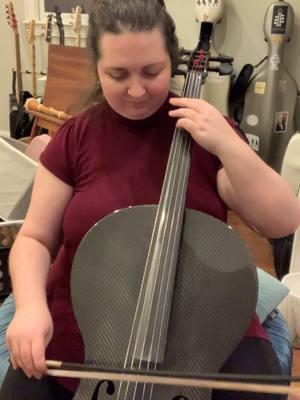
column 80, row 125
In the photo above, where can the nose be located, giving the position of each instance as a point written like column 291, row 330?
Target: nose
column 136, row 89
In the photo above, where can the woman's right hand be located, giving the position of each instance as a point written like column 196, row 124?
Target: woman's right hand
column 27, row 337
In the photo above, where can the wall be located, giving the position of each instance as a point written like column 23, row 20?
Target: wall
column 240, row 34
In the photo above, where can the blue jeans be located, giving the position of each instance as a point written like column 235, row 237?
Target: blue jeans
column 7, row 311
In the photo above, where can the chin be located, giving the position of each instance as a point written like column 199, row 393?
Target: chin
column 139, row 114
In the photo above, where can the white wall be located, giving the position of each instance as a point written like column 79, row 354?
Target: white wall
column 240, row 34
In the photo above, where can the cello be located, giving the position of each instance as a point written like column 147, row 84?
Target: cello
column 162, row 282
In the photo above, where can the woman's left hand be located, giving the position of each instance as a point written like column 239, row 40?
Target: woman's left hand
column 204, row 122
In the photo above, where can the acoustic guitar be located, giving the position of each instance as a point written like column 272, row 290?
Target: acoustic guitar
column 77, row 24
column 59, row 23
column 19, row 121
column 30, row 34
column 48, row 28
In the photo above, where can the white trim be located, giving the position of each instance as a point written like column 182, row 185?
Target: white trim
column 32, row 9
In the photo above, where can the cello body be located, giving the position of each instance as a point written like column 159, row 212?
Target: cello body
column 211, row 307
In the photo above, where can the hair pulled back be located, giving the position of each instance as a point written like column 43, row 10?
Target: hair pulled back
column 119, row 16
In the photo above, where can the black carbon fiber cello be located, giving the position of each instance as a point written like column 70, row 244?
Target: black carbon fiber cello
column 169, row 289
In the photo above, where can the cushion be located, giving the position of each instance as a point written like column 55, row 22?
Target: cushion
column 271, row 292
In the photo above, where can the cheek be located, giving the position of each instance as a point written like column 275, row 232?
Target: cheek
column 110, row 89
column 159, row 86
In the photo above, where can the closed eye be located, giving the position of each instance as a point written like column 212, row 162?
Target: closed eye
column 118, row 76
column 150, row 74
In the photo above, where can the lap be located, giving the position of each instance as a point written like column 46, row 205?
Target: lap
column 17, row 386
column 251, row 356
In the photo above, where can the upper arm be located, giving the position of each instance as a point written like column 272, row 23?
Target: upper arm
column 49, row 198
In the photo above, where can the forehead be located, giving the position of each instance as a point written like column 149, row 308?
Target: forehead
column 130, row 48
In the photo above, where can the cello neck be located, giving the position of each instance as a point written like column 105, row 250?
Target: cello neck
column 160, row 270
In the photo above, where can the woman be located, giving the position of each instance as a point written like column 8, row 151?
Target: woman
column 113, row 156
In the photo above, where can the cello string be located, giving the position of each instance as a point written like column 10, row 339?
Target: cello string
column 193, row 91
column 166, row 206
column 156, row 278
column 195, row 82
column 139, row 300
column 180, row 194
column 163, row 258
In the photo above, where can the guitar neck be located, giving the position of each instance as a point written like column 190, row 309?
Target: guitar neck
column 33, row 69
column 78, row 39
column 61, row 35
column 18, row 67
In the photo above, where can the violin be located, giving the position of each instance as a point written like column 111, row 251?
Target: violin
column 164, row 289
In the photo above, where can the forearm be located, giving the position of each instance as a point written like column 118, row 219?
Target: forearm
column 29, row 263
column 257, row 193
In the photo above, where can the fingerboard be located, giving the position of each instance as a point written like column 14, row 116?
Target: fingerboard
column 33, row 69
column 18, row 67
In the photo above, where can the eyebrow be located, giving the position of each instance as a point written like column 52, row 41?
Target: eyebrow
column 120, row 69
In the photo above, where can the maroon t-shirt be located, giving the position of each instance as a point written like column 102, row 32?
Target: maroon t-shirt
column 112, row 163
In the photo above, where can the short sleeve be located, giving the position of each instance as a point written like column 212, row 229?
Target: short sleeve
column 60, row 154
column 237, row 128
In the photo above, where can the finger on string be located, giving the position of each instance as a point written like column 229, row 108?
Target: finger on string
column 195, row 104
column 188, row 125
column 185, row 113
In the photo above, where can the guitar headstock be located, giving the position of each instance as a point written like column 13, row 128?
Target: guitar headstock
column 48, row 27
column 60, row 25
column 30, row 32
column 11, row 17
column 58, row 16
column 77, row 19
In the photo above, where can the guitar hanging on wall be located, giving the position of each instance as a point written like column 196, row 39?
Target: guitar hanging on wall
column 59, row 23
column 48, row 28
column 19, row 121
column 30, row 34
column 77, row 24
column 270, row 101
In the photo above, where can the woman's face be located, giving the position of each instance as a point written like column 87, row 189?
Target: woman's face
column 134, row 72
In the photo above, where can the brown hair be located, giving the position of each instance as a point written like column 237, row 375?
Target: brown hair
column 118, row 16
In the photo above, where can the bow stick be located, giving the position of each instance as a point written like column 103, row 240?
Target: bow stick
column 246, row 383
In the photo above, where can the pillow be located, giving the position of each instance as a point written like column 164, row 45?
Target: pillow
column 271, row 292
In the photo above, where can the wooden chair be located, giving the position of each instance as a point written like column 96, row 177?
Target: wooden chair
column 71, row 81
